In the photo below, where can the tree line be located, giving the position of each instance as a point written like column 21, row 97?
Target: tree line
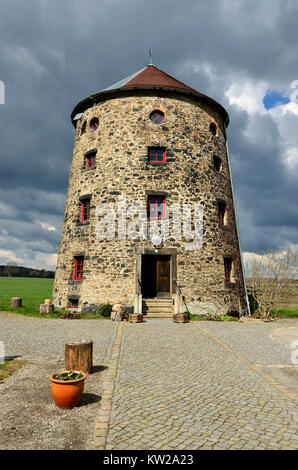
column 11, row 270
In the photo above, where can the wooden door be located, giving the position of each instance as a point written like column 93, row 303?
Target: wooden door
column 163, row 269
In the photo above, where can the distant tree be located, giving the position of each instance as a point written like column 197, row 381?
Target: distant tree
column 270, row 276
column 11, row 268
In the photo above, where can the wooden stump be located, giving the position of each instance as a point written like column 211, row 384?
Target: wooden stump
column 46, row 308
column 117, row 316
column 78, row 356
column 16, row 301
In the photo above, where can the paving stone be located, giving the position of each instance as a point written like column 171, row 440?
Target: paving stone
column 181, row 386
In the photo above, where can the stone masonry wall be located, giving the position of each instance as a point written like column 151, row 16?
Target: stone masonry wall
column 122, row 138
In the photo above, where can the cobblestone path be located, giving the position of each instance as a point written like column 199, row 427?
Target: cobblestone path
column 194, row 387
column 41, row 339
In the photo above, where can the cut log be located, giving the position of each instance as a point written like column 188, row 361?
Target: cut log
column 46, row 308
column 16, row 301
column 78, row 356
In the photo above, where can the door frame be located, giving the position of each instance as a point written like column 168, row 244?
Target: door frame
column 156, row 251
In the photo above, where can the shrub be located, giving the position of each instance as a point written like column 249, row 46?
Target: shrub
column 106, row 309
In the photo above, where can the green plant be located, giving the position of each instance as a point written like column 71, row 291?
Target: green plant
column 106, row 309
column 213, row 318
column 68, row 375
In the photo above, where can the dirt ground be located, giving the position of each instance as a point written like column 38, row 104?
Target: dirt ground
column 29, row 419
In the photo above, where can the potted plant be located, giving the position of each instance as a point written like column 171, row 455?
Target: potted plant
column 181, row 317
column 67, row 387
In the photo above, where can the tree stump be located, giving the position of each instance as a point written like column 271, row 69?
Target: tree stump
column 16, row 301
column 117, row 316
column 78, row 356
column 46, row 308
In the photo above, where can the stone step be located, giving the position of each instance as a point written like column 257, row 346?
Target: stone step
column 158, row 308
column 152, row 316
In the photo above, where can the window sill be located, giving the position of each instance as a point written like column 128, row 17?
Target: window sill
column 230, row 284
column 80, row 224
column 89, row 169
column 156, row 163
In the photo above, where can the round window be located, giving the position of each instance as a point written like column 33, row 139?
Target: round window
column 94, row 124
column 157, row 117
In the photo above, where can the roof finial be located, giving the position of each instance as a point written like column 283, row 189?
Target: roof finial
column 150, row 56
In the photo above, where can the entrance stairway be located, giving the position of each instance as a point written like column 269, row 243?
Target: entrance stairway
column 158, row 308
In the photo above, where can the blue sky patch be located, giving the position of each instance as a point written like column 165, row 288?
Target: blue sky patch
column 275, row 98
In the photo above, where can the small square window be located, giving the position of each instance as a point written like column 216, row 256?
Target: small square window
column 78, row 268
column 157, row 155
column 73, row 303
column 156, row 207
column 90, row 160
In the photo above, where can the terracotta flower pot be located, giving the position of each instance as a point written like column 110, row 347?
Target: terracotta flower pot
column 68, row 393
column 180, row 317
column 135, row 317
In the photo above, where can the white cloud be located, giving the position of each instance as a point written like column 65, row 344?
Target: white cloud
column 247, row 95
column 9, row 255
column 48, row 227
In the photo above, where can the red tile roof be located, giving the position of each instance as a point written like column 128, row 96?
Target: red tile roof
column 152, row 76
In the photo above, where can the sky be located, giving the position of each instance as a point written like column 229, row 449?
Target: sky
column 53, row 54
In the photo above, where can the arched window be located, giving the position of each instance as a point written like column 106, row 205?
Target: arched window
column 94, row 124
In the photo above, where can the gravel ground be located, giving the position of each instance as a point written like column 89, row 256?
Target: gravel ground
column 29, row 419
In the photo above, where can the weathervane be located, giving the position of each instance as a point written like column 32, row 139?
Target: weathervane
column 150, row 56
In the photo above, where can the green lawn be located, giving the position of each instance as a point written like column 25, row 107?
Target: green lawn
column 287, row 313
column 33, row 291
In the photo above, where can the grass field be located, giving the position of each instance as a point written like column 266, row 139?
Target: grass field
column 32, row 290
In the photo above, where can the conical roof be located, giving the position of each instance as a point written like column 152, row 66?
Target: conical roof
column 150, row 76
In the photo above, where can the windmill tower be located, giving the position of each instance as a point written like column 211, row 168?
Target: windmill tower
column 148, row 151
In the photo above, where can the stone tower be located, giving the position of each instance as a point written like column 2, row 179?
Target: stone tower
column 149, row 216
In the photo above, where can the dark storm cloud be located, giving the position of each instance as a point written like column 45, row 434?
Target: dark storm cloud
column 53, row 54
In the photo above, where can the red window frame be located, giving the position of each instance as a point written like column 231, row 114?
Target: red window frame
column 94, row 123
column 90, row 160
column 71, row 305
column 222, row 212
column 85, row 210
column 228, row 268
column 157, row 116
column 154, row 204
column 156, row 155
column 78, row 268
